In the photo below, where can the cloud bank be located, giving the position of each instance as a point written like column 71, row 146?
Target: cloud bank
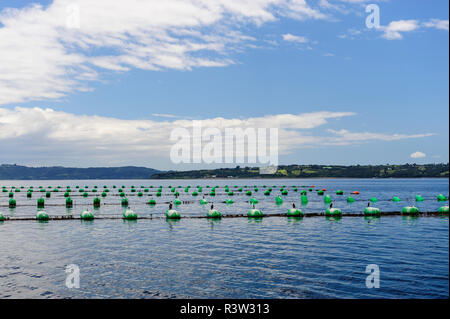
column 43, row 134
column 48, row 52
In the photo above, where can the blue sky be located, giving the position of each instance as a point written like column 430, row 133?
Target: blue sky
column 311, row 57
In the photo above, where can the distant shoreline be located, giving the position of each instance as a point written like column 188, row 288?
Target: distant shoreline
column 217, row 179
column 16, row 172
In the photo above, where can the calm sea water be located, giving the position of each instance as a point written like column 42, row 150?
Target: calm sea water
column 231, row 258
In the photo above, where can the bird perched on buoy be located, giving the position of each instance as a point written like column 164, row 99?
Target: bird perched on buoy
column 172, row 213
column 294, row 211
column 213, row 213
column 371, row 210
column 254, row 212
column 333, row 211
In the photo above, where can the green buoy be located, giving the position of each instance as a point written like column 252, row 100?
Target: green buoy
column 173, row 214
column 12, row 203
column 333, row 212
column 396, row 199
column 419, row 198
column 254, row 213
column 304, row 199
column 410, row 210
column 151, row 202
column 294, row 212
column 96, row 202
column 443, row 210
column 86, row 215
column 41, row 215
column 278, row 200
column 213, row 214
column 40, row 203
column 129, row 215
column 350, row 199
column 371, row 211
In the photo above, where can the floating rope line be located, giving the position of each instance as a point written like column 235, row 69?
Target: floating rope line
column 163, row 216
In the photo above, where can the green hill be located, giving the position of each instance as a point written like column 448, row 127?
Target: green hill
column 317, row 171
column 16, row 172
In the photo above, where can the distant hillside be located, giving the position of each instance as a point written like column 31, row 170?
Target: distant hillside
column 317, row 171
column 15, row 172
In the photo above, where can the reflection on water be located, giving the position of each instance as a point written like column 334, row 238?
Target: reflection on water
column 255, row 220
column 130, row 222
column 172, row 222
column 214, row 222
column 333, row 218
column 294, row 219
column 411, row 220
column 372, row 219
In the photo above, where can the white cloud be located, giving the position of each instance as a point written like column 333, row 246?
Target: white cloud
column 41, row 57
column 418, row 155
column 97, row 140
column 345, row 137
column 437, row 24
column 294, row 38
column 394, row 30
column 351, row 33
column 170, row 116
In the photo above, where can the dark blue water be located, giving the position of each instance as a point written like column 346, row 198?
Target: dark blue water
column 233, row 258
